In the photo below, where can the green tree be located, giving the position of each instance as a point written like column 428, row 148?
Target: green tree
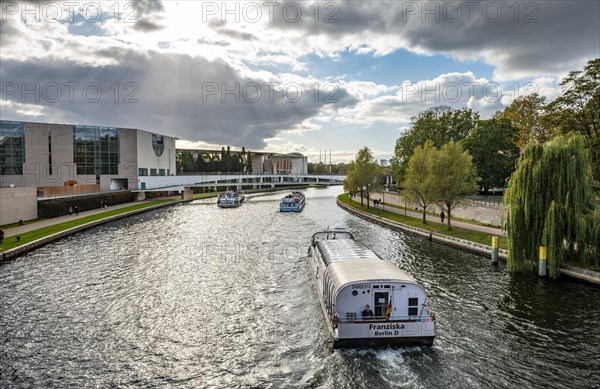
column 578, row 109
column 551, row 203
column 452, row 177
column 228, row 163
column 350, row 184
column 438, row 125
column 187, row 162
column 493, row 145
column 418, row 183
column 242, row 167
column 363, row 174
column 199, row 166
column 248, row 163
column 223, row 158
column 526, row 113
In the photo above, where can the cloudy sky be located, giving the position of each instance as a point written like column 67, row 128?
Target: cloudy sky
column 281, row 75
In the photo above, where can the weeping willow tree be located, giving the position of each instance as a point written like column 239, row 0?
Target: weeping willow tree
column 551, row 203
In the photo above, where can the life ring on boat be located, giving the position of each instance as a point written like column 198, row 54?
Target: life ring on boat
column 335, row 320
column 432, row 315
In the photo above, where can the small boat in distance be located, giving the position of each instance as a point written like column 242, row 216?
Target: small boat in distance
column 294, row 202
column 367, row 301
column 230, row 199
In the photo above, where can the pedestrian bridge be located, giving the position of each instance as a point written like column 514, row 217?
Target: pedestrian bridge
column 232, row 181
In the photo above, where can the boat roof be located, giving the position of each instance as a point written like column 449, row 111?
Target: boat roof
column 349, row 261
column 334, row 250
column 364, row 270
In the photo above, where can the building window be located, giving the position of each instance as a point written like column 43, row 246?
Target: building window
column 413, row 306
column 152, row 172
column 96, row 150
column 158, row 144
column 161, row 172
column 12, row 148
column 143, row 171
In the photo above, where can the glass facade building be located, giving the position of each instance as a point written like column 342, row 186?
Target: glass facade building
column 96, row 150
column 12, row 148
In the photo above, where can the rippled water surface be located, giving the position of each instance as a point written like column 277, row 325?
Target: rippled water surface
column 197, row 296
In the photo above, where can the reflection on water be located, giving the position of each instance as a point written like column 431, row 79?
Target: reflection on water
column 198, row 296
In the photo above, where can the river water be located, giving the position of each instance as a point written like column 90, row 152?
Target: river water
column 197, row 296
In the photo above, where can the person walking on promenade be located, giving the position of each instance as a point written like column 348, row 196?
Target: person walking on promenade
column 1, row 236
column 442, row 215
column 76, row 210
column 70, row 211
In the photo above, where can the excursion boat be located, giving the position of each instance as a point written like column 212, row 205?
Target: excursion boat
column 294, row 202
column 349, row 277
column 230, row 199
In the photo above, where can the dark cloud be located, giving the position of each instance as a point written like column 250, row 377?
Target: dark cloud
column 244, row 36
column 172, row 94
column 515, row 36
column 149, row 15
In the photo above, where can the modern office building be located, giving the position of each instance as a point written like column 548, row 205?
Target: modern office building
column 263, row 163
column 47, row 155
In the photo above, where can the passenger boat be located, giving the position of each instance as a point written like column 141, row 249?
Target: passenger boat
column 294, row 202
column 230, row 199
column 348, row 277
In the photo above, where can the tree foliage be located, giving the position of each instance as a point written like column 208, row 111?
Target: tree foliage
column 364, row 174
column 441, row 176
column 438, row 125
column 493, row 145
column 551, row 203
column 453, row 176
column 578, row 109
column 526, row 114
column 418, row 182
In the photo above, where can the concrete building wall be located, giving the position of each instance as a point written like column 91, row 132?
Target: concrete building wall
column 147, row 159
column 37, row 170
column 128, row 162
column 18, row 204
column 63, row 165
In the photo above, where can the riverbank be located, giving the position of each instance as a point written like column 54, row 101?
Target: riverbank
column 569, row 271
column 16, row 244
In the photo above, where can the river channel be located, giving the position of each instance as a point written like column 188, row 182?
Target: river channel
column 197, row 296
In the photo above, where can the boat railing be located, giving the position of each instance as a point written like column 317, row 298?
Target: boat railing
column 331, row 234
column 382, row 319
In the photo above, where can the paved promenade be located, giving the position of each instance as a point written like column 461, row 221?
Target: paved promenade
column 436, row 219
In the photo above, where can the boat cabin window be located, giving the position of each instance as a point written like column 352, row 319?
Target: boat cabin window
column 381, row 303
column 351, row 317
column 413, row 306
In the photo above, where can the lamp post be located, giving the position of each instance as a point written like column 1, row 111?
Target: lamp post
column 404, row 195
column 383, row 200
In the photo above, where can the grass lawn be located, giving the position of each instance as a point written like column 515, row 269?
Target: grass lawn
column 473, row 236
column 12, row 225
column 11, row 242
column 205, row 195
